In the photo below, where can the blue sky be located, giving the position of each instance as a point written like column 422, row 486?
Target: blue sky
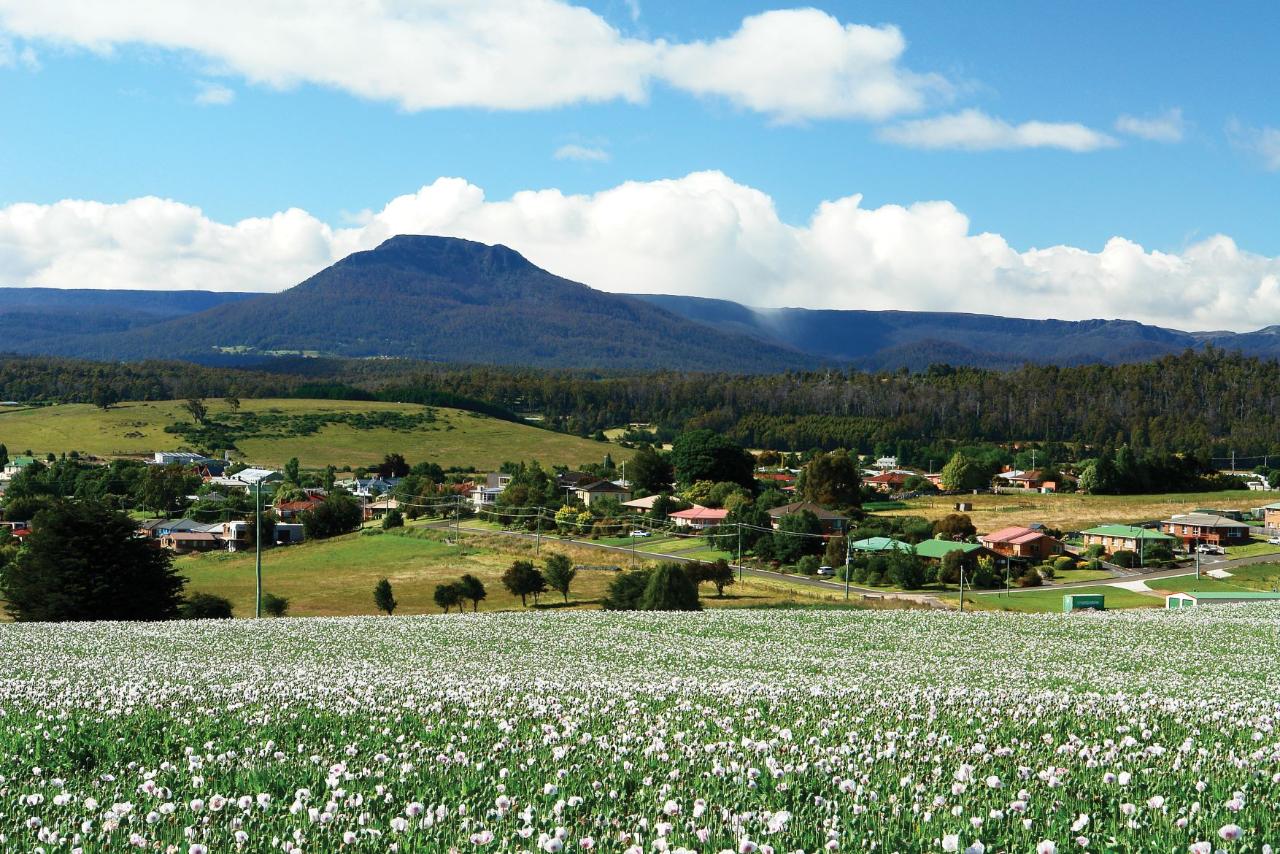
column 112, row 111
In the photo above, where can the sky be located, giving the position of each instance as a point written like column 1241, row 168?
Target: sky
column 1031, row 159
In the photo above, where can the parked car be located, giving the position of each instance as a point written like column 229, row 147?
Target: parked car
column 639, row 533
column 1210, row 549
column 826, row 571
column 1274, row 541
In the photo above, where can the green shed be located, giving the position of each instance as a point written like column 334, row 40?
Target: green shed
column 1083, row 602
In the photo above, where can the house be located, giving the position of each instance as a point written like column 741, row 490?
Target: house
column 368, row 487
column 889, row 481
column 643, row 505
column 938, row 549
column 16, row 465
column 1021, row 543
column 886, row 463
column 601, row 490
column 484, row 497
column 1030, row 480
column 147, row 528
column 699, row 518
column 831, row 521
column 1114, row 538
column 568, row 481
column 1271, row 515
column 246, row 479
column 184, row 542
column 288, row 533
column 289, row 510
column 1192, row 599
column 379, row 508
column 1196, row 528
column 880, row 544
column 181, row 458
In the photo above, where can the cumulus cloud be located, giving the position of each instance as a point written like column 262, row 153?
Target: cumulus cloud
column 588, row 153
column 702, row 235
column 502, row 54
column 1169, row 126
column 974, row 130
column 214, row 94
column 1263, row 142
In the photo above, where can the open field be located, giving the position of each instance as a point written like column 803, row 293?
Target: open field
column 336, row 577
column 1049, row 600
column 456, row 438
column 1074, row 512
column 728, row 730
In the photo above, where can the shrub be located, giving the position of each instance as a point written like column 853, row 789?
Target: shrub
column 1095, row 550
column 1030, row 578
column 1124, row 558
column 274, row 606
column 626, row 589
column 808, row 565
column 205, row 606
column 393, row 519
column 383, row 598
column 1063, row 563
column 670, row 589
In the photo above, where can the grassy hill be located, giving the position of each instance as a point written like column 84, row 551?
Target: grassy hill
column 453, row 438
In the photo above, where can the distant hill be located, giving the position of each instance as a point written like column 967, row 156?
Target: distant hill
column 442, row 299
column 34, row 314
column 451, row 300
column 887, row 340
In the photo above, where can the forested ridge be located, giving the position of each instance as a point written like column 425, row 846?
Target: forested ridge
column 1206, row 402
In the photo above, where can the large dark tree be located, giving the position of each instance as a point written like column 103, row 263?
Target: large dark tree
column 833, row 480
column 83, row 561
column 796, row 536
column 337, row 514
column 708, row 455
column 650, row 471
column 670, row 589
column 523, row 579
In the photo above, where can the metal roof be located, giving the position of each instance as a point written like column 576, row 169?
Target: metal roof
column 1128, row 532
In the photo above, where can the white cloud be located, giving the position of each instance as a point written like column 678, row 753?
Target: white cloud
column 1263, row 142
column 12, row 56
column 1169, row 126
column 588, row 153
column 501, row 54
column 803, row 63
column 214, row 94
column 702, row 234
column 974, row 130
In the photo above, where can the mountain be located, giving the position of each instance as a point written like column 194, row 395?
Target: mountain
column 41, row 313
column 444, row 299
column 887, row 340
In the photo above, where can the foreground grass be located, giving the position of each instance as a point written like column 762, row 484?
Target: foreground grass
column 1075, row 512
column 796, row 730
column 457, row 438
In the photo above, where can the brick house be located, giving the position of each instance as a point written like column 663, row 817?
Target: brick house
column 1022, row 544
column 1196, row 528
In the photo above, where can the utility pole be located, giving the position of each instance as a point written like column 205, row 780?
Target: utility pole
column 457, row 521
column 257, row 546
column 848, row 545
column 962, row 587
column 740, row 571
column 538, row 548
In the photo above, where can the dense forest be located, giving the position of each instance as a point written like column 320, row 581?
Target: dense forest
column 1206, row 402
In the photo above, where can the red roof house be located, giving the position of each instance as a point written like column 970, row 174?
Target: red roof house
column 699, row 517
column 1024, row 543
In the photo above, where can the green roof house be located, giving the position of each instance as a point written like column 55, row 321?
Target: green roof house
column 880, row 544
column 1114, row 538
column 1192, row 598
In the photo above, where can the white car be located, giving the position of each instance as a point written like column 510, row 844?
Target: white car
column 1273, row 541
column 639, row 533
column 1210, row 549
column 826, row 571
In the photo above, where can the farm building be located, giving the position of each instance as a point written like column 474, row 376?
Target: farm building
column 1114, row 538
column 1193, row 599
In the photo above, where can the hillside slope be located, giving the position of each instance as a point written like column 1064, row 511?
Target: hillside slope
column 442, row 299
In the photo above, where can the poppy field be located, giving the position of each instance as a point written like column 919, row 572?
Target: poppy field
column 728, row 730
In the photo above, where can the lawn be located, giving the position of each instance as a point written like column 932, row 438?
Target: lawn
column 1253, row 549
column 1074, row 512
column 1049, row 600
column 336, row 577
column 456, row 438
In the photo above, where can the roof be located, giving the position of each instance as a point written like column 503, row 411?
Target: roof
column 708, row 514
column 1205, row 520
column 940, row 548
column 891, row 477
column 21, row 462
column 1016, row 535
column 880, row 544
column 1128, row 532
column 645, row 503
column 192, row 537
column 255, row 475
column 1227, row 594
column 306, row 504
column 800, row 506
column 602, row 486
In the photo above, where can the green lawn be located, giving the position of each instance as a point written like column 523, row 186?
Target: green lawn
column 1050, row 600
column 456, row 438
column 1253, row 549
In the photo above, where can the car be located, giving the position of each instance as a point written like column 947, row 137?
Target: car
column 1273, row 541
column 1210, row 549
column 639, row 533
column 826, row 571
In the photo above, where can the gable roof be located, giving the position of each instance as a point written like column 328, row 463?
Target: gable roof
column 941, row 548
column 799, row 506
column 1205, row 520
column 1128, row 532
column 697, row 513
column 880, row 544
column 602, row 486
column 1014, row 535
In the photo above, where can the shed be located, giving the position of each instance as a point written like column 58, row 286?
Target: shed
column 1193, row 598
column 1083, row 602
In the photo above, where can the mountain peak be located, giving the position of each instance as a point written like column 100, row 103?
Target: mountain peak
column 447, row 257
